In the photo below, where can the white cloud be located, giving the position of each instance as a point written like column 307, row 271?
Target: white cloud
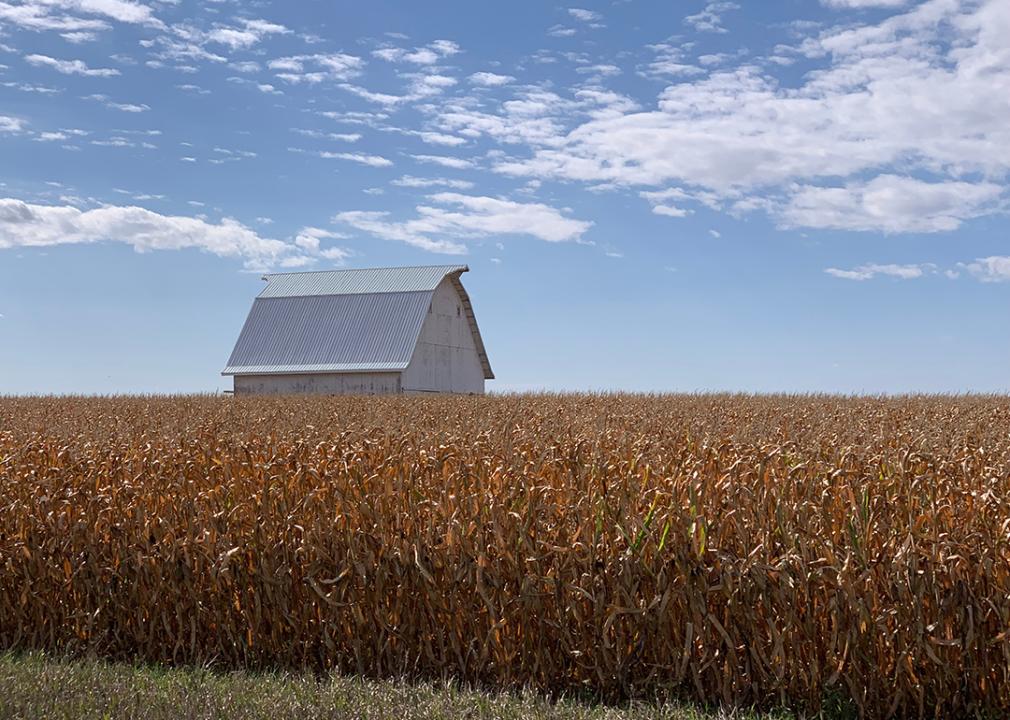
column 51, row 137
column 193, row 89
column 533, row 116
column 462, row 217
column 123, row 11
column 375, row 97
column 889, row 203
column 584, row 15
column 444, row 161
column 710, row 19
column 24, row 224
column 122, row 107
column 421, row 86
column 600, row 70
column 340, row 137
column 415, row 182
column 670, row 61
column 361, row 158
column 995, row 268
column 128, row 107
column 43, row 15
column 181, row 50
column 247, row 34
column 490, row 79
column 864, row 3
column 70, row 67
column 308, row 240
column 427, row 55
column 437, row 138
column 868, row 272
column 372, row 119
column 561, row 31
column 79, row 37
column 10, row 124
column 662, row 202
column 328, row 66
column 924, row 94
column 28, row 225
column 246, row 66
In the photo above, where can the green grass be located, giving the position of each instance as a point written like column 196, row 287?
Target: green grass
column 35, row 686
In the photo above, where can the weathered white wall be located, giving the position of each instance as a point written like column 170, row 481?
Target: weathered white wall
column 319, row 384
column 445, row 359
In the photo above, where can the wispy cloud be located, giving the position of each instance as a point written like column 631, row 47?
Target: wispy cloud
column 445, row 161
column 70, row 67
column 409, row 181
column 427, row 55
column 122, row 107
column 360, row 158
column 868, row 272
column 313, row 69
column 461, row 217
column 864, row 3
column 710, row 19
column 584, row 15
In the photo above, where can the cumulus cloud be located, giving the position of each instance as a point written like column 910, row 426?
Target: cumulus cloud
column 308, row 239
column 10, row 124
column 70, row 67
column 28, row 225
column 868, row 272
column 24, row 224
column 995, row 268
column 490, row 79
column 902, row 124
column 889, row 203
column 462, row 217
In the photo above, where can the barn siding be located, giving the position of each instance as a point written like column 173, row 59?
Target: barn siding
column 319, row 384
column 445, row 358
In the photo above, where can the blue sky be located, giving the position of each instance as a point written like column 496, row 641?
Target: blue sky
column 799, row 195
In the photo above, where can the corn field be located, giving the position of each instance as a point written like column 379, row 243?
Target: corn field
column 733, row 549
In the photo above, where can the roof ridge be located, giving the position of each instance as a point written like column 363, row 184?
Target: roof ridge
column 465, row 267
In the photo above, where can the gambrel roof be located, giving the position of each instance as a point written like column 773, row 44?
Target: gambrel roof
column 339, row 321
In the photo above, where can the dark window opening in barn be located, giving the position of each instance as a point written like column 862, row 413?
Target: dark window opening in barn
column 457, row 311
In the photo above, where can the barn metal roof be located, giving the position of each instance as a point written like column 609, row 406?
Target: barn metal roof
column 354, row 282
column 343, row 321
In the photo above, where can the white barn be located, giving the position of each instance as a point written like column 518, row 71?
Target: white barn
column 362, row 332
